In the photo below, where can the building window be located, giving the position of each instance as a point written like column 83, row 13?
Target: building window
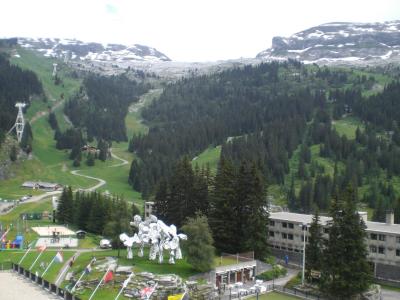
column 302, row 238
column 290, row 249
column 291, row 226
column 290, row 236
column 382, row 237
column 381, row 250
column 283, row 248
column 284, row 224
column 284, row 235
column 397, row 252
column 373, row 236
column 271, row 223
column 398, row 239
column 372, row 249
column 271, row 233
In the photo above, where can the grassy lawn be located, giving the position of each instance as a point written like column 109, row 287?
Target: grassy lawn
column 42, row 262
column 209, row 156
column 181, row 268
column 224, row 261
column 18, row 226
column 347, row 126
column 274, row 296
column 43, row 67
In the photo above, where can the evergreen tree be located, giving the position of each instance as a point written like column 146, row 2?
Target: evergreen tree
column 134, row 210
column 13, row 153
column 180, row 204
column 27, row 138
column 118, row 223
column 102, row 146
column 90, row 159
column 314, row 246
column 65, row 207
column 161, row 200
column 199, row 245
column 291, row 197
column 222, row 217
column 345, row 269
column 254, row 218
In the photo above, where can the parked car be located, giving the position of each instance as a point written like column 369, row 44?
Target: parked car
column 105, row 244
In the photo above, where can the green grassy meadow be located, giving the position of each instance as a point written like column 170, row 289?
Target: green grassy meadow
column 348, row 126
column 209, row 156
column 18, row 226
column 50, row 164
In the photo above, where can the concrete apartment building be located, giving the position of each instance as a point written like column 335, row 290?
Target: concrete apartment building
column 383, row 241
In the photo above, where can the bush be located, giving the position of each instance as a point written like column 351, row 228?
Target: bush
column 275, row 272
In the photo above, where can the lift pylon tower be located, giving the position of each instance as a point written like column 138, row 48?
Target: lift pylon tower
column 54, row 70
column 20, row 122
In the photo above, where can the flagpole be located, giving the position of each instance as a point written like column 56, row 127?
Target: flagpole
column 124, row 285
column 73, row 288
column 48, row 267
column 91, row 296
column 83, row 273
column 36, row 260
column 24, row 255
column 5, row 233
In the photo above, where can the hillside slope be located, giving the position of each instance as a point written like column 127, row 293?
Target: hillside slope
column 344, row 43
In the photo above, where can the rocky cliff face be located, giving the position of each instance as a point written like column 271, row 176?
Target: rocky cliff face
column 354, row 43
column 77, row 50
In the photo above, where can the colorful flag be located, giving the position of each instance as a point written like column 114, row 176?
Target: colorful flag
column 108, row 277
column 175, row 297
column 59, row 258
column 146, row 292
column 41, row 248
column 88, row 269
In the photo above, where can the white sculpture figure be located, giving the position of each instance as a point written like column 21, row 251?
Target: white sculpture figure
column 128, row 242
column 154, row 240
column 173, row 244
column 158, row 236
column 142, row 237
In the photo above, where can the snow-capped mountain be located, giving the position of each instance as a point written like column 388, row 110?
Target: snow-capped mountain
column 332, row 43
column 78, row 50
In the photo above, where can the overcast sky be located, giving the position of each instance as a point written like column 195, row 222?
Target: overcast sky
column 185, row 30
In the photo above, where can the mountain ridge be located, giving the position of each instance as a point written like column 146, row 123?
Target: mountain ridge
column 339, row 42
column 72, row 49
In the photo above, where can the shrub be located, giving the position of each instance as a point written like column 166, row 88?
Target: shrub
column 275, row 272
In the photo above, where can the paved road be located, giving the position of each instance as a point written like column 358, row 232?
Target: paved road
column 390, row 295
column 15, row 287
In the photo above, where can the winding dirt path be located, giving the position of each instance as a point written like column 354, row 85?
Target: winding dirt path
column 123, row 161
column 95, row 187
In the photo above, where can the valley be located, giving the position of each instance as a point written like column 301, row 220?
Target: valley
column 52, row 165
column 202, row 179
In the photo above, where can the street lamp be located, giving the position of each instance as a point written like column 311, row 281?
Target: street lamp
column 257, row 291
column 304, row 227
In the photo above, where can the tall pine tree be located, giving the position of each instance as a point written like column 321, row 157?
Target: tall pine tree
column 345, row 269
column 314, row 246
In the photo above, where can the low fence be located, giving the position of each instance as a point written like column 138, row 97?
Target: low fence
column 300, row 294
column 7, row 265
column 245, row 294
column 46, row 285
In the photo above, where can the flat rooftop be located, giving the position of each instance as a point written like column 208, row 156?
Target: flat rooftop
column 48, row 230
column 307, row 219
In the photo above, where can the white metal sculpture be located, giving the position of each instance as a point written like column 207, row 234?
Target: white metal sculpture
column 19, row 122
column 54, row 70
column 158, row 236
